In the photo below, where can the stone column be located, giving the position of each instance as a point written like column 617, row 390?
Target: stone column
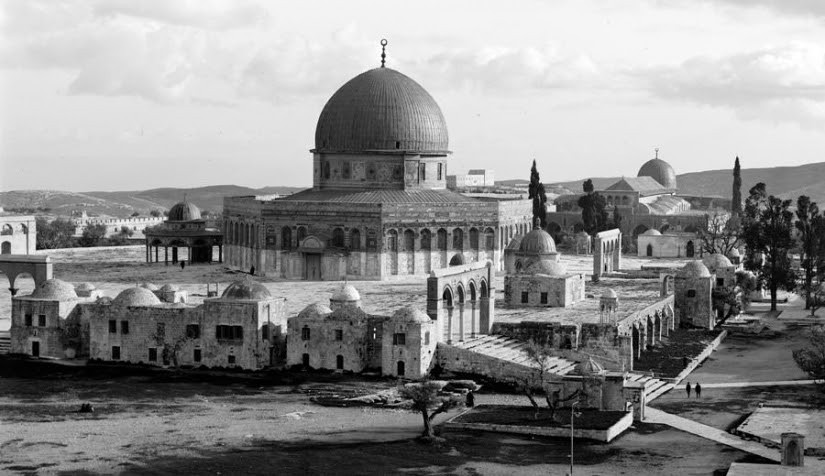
column 461, row 322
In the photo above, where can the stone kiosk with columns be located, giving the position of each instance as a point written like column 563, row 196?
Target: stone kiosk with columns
column 183, row 230
column 379, row 204
column 460, row 300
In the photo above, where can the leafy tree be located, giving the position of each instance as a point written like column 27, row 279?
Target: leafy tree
column 122, row 236
column 427, row 400
column 593, row 206
column 156, row 213
column 809, row 223
column 540, row 355
column 722, row 234
column 136, row 214
column 537, row 194
column 93, row 235
column 736, row 198
column 811, row 358
column 767, row 224
column 55, row 234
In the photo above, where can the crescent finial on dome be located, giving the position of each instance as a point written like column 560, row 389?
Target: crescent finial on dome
column 383, row 51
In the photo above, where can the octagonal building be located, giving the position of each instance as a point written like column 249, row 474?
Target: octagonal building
column 379, row 204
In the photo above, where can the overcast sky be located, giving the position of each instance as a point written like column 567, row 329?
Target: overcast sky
column 129, row 94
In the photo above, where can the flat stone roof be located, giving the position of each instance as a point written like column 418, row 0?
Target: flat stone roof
column 768, row 423
column 634, row 295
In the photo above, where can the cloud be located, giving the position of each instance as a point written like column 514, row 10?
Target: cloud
column 208, row 14
column 775, row 84
column 791, row 7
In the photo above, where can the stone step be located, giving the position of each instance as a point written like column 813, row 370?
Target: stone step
column 660, row 391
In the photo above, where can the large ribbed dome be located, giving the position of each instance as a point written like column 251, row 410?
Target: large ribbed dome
column 538, row 241
column 380, row 110
column 184, row 211
column 660, row 171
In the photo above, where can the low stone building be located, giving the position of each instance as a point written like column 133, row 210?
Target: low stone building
column 245, row 327
column 544, row 283
column 343, row 337
column 671, row 244
column 17, row 234
column 47, row 323
column 693, row 296
column 113, row 225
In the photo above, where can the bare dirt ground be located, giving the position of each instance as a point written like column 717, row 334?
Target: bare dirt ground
column 145, row 426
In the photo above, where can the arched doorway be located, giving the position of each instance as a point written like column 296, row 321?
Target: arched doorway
column 689, row 249
column 339, row 362
column 400, row 370
column 305, row 360
column 5, row 248
column 649, row 249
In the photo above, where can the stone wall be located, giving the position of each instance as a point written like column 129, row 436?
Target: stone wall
column 693, row 302
column 62, row 335
column 17, row 234
column 667, row 245
column 559, row 291
column 418, row 350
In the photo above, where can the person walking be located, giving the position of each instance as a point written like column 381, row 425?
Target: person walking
column 687, row 389
column 182, row 264
column 471, row 399
column 698, row 389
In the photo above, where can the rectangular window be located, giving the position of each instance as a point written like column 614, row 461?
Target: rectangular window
column 41, row 320
column 124, row 327
column 28, row 320
column 399, row 339
column 153, row 354
column 427, row 338
column 720, row 281
column 197, row 355
column 305, row 333
column 440, row 171
column 544, row 298
column 265, row 332
column 115, row 352
column 231, row 359
column 691, row 293
column 229, row 332
column 161, row 330
column 339, row 334
column 193, row 331
column 112, row 326
column 524, row 297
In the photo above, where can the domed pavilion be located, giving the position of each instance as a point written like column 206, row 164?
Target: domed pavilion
column 379, row 204
column 188, row 235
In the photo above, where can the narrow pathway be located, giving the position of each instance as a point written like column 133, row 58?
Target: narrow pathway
column 653, row 415
column 760, row 384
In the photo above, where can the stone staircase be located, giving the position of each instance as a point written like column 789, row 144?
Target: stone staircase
column 514, row 352
column 5, row 342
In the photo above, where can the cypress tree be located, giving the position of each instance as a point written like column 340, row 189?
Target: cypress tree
column 736, row 199
column 536, row 193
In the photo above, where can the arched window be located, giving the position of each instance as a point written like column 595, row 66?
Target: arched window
column 447, row 296
column 649, row 249
column 409, row 240
column 426, row 238
column 473, row 239
column 490, row 239
column 472, row 291
column 338, row 238
column 483, row 289
column 326, row 169
column 458, row 239
column 460, row 295
column 392, row 240
column 301, row 234
column 441, row 236
column 7, row 230
column 355, row 239
column 286, row 238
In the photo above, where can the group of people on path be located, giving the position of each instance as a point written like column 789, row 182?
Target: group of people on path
column 696, row 388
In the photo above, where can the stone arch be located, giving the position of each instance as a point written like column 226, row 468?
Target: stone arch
column 457, row 260
column 337, row 237
column 409, row 240
column 640, row 228
column 7, row 230
column 441, row 239
column 474, row 243
column 484, row 289
column 460, row 293
column 447, row 296
column 300, row 234
column 24, row 229
column 667, row 285
column 426, row 239
column 286, row 238
column 690, row 249
column 392, row 240
column 473, row 294
column 489, row 239
column 458, row 239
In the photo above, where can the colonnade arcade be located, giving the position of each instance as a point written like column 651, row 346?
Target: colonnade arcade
column 198, row 249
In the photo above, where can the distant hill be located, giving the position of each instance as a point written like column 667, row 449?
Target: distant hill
column 123, row 204
column 785, row 182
